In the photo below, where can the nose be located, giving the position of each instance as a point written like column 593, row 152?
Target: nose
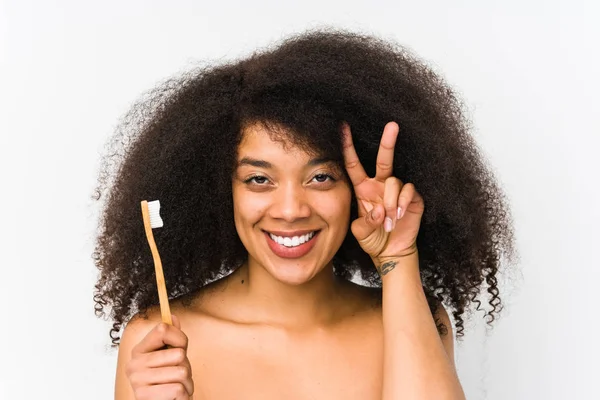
column 290, row 203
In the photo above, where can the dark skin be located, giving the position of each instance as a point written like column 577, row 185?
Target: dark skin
column 231, row 342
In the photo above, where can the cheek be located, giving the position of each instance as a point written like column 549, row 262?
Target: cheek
column 336, row 208
column 248, row 208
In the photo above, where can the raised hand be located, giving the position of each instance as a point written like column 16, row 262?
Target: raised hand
column 161, row 374
column 389, row 211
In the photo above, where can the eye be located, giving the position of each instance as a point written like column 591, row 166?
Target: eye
column 321, row 178
column 256, row 180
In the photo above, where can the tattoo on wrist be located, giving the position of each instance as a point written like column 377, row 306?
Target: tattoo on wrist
column 386, row 267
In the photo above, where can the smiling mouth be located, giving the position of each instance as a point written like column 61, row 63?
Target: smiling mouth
column 292, row 241
column 292, row 246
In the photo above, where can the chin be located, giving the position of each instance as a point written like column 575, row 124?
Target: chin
column 293, row 273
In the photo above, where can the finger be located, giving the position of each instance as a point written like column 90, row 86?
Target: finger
column 164, row 358
column 363, row 227
column 176, row 322
column 162, row 334
column 385, row 154
column 163, row 376
column 407, row 196
column 175, row 374
column 364, row 206
column 356, row 172
column 391, row 193
column 169, row 391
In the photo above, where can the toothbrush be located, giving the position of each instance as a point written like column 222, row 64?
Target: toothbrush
column 151, row 215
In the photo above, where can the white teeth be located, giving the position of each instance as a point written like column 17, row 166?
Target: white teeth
column 292, row 241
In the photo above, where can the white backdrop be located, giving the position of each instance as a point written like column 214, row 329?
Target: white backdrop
column 527, row 70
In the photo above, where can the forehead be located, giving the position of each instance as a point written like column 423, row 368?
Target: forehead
column 259, row 139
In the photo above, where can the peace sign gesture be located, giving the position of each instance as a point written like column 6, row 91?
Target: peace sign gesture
column 389, row 211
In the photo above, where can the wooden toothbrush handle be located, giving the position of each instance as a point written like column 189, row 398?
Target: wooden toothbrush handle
column 165, row 311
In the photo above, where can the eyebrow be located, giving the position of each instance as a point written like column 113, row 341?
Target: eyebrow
column 265, row 164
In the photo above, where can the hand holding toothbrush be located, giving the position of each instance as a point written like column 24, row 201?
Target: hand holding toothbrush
column 156, row 373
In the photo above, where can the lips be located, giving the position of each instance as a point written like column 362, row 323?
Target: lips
column 291, row 252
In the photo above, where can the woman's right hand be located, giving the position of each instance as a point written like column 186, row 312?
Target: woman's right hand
column 159, row 373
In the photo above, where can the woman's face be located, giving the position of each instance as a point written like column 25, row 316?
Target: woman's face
column 291, row 209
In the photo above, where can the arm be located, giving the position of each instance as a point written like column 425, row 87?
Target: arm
column 418, row 364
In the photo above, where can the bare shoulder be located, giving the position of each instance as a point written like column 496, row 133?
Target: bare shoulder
column 139, row 325
column 143, row 322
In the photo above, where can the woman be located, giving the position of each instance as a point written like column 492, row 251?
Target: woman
column 282, row 177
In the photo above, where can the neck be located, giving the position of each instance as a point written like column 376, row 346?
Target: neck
column 313, row 303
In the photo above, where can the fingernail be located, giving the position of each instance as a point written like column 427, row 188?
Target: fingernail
column 398, row 213
column 387, row 225
column 368, row 206
column 374, row 214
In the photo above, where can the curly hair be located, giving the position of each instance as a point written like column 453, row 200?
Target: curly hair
column 179, row 144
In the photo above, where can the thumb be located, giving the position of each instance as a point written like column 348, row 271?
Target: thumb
column 176, row 322
column 364, row 226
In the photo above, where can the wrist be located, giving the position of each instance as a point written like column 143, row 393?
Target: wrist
column 404, row 253
column 405, row 259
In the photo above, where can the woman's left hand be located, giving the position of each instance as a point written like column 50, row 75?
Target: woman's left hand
column 379, row 230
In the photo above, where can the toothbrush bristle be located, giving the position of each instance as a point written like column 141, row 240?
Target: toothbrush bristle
column 154, row 211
